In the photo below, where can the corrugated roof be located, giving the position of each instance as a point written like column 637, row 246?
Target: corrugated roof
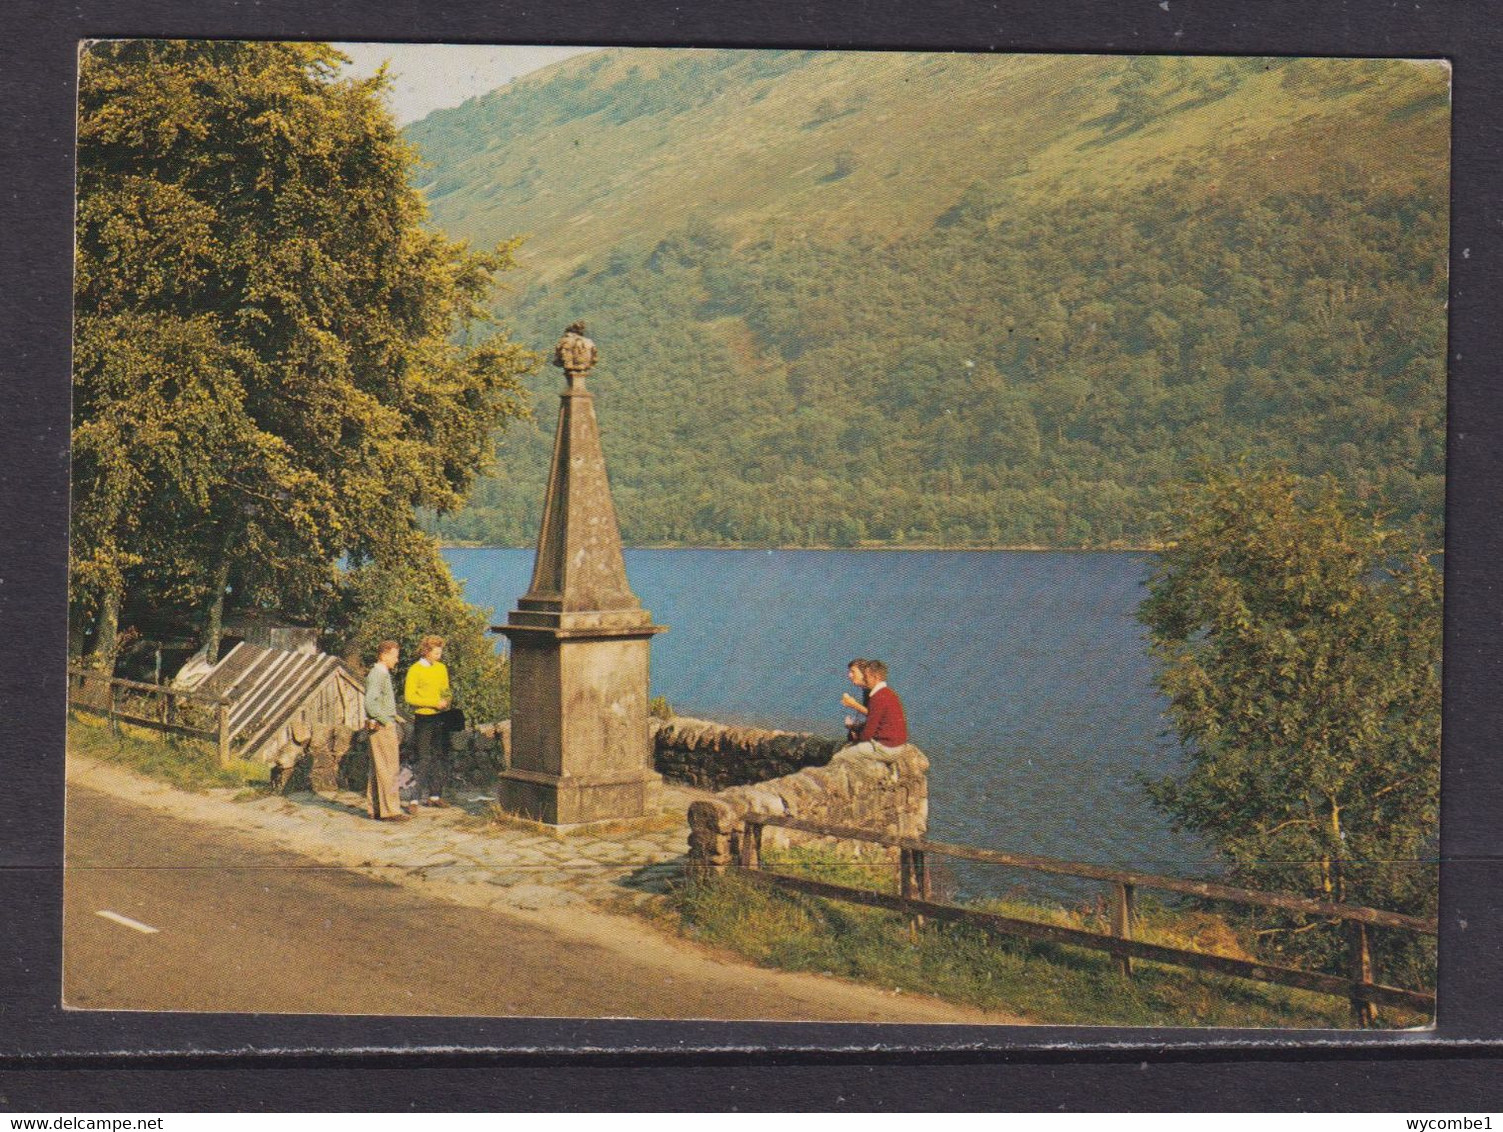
column 265, row 686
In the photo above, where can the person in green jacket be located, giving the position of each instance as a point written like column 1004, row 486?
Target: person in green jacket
column 381, row 800
column 427, row 693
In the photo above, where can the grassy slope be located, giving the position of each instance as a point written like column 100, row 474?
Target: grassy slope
column 920, row 128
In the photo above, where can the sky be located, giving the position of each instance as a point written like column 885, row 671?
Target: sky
column 428, row 76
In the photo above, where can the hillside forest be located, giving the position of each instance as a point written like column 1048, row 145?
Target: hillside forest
column 1185, row 263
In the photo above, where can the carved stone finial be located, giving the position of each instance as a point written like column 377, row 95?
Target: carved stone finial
column 575, row 354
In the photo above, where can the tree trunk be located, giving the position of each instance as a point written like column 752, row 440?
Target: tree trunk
column 77, row 629
column 107, row 640
column 214, row 629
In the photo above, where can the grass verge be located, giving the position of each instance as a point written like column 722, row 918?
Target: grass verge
column 190, row 764
column 1045, row 983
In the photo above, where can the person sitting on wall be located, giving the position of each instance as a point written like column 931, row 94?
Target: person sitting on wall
column 427, row 691
column 856, row 673
column 886, row 728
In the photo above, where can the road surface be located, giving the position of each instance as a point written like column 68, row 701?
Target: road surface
column 147, row 926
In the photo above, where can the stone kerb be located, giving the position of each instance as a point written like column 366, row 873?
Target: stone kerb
column 883, row 793
column 713, row 756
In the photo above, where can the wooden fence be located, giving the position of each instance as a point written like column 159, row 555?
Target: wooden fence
column 914, row 898
column 156, row 706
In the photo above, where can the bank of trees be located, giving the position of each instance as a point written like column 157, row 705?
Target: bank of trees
column 1299, row 638
column 267, row 377
column 1024, row 373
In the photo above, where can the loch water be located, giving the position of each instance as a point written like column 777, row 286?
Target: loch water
column 1024, row 674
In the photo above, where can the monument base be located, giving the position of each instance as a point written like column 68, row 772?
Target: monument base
column 565, row 800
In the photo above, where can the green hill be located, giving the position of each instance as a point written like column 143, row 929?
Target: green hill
column 959, row 299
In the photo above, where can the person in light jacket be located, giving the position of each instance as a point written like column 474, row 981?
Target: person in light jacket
column 381, row 800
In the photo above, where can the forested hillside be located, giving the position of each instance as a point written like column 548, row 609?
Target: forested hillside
column 1000, row 301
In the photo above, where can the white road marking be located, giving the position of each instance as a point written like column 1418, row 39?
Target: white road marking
column 127, row 921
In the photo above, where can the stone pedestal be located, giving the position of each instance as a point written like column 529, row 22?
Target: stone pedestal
column 581, row 750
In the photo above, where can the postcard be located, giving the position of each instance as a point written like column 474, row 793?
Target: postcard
column 757, row 535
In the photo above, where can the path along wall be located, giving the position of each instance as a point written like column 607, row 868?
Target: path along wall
column 754, row 770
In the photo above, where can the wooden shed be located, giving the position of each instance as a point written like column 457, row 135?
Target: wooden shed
column 278, row 698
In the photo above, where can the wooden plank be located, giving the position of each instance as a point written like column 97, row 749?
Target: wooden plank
column 266, row 720
column 1285, row 901
column 1076, row 937
column 751, row 846
column 137, row 686
column 1364, row 1014
column 224, row 735
column 1122, row 923
column 152, row 724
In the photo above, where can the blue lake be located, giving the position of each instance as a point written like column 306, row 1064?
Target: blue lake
column 1024, row 675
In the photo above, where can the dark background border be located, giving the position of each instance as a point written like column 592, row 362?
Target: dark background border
column 167, row 1062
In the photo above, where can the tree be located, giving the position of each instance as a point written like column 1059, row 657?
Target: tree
column 1300, row 644
column 409, row 593
column 276, row 363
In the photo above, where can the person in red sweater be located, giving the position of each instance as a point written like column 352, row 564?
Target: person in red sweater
column 885, row 728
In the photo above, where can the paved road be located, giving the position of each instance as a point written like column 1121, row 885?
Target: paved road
column 279, row 933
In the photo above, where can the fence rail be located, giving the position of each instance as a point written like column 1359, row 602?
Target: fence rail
column 1361, row 988
column 155, row 706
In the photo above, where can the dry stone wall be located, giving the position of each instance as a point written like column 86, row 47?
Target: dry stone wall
column 713, row 756
column 479, row 754
column 324, row 758
column 884, row 793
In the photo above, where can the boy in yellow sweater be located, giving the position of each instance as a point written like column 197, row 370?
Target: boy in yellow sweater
column 427, row 692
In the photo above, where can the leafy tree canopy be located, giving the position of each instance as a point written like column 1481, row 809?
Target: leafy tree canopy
column 276, row 363
column 1300, row 643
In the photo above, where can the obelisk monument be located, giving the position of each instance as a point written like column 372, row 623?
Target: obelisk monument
column 580, row 748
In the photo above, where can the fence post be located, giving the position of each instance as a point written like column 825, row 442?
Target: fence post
column 1122, row 922
column 1364, row 1013
column 223, row 714
column 114, row 722
column 919, row 885
column 906, row 887
column 751, row 845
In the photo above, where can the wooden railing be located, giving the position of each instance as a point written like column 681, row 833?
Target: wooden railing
column 157, row 706
column 914, row 898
